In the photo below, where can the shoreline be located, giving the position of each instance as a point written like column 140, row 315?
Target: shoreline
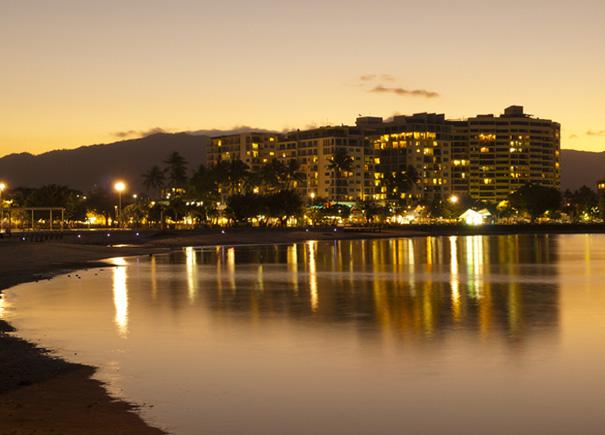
column 41, row 393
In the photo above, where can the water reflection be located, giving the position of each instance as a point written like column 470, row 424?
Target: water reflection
column 382, row 336
column 120, row 296
column 407, row 288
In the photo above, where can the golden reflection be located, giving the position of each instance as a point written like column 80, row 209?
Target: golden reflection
column 191, row 265
column 429, row 252
column 260, row 278
column 219, row 271
column 411, row 264
column 312, row 244
column 396, row 292
column 474, row 260
column 454, row 278
column 292, row 259
column 231, row 267
column 120, row 296
column 154, row 278
column 2, row 305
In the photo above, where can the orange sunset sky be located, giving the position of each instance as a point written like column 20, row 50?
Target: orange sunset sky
column 78, row 72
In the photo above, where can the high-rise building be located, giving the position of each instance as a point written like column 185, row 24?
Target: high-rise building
column 601, row 193
column 503, row 153
column 254, row 148
column 486, row 157
column 418, row 144
column 315, row 149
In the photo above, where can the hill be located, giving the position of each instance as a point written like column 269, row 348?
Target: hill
column 580, row 168
column 87, row 166
column 99, row 165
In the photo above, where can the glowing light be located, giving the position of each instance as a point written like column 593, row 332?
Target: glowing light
column 313, row 275
column 455, row 278
column 191, row 265
column 119, row 186
column 454, row 199
column 120, row 296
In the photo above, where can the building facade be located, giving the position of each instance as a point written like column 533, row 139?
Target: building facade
column 254, row 149
column 486, row 157
column 601, row 193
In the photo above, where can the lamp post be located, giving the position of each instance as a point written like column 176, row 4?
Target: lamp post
column 2, row 188
column 119, row 187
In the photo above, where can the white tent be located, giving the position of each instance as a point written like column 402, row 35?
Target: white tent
column 472, row 217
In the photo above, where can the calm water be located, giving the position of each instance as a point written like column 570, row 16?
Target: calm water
column 460, row 335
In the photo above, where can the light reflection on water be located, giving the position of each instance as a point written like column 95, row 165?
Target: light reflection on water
column 428, row 335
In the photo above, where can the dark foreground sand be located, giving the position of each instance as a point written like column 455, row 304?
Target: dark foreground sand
column 43, row 395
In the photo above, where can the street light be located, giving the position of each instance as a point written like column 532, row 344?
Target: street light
column 454, row 199
column 119, row 187
column 2, row 188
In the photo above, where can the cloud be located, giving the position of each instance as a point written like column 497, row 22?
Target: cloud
column 373, row 77
column 139, row 133
column 235, row 130
column 599, row 133
column 404, row 92
column 573, row 136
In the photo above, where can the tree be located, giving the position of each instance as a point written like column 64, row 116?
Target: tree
column 53, row 195
column 203, row 185
column 101, row 202
column 284, row 205
column 242, row 207
column 177, row 170
column 293, row 175
column 369, row 209
column 581, row 204
column 271, row 176
column 341, row 164
column 535, row 200
column 237, row 172
column 403, row 181
column 154, row 180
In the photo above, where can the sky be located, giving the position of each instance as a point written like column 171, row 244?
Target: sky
column 77, row 72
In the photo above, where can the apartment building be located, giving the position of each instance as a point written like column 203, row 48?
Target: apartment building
column 487, row 157
column 601, row 193
column 315, row 149
column 254, row 149
column 422, row 142
column 499, row 154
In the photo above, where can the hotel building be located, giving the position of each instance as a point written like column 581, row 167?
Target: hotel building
column 496, row 155
column 314, row 150
column 254, row 149
column 421, row 142
column 601, row 193
column 486, row 157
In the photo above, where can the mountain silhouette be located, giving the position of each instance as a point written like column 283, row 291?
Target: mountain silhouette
column 580, row 168
column 100, row 165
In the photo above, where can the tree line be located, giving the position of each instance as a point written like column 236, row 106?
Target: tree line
column 230, row 191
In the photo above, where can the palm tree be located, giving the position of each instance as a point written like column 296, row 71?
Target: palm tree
column 340, row 164
column 237, row 173
column 272, row 175
column 177, row 170
column 402, row 181
column 154, row 180
column 293, row 175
